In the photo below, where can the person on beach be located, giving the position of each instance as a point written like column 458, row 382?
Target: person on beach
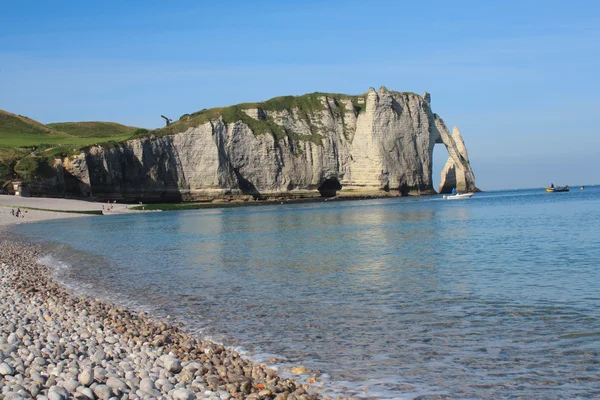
column 12, row 211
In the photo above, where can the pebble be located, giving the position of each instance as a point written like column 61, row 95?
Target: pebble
column 6, row 369
column 103, row 392
column 182, row 394
column 147, row 384
column 116, row 383
column 55, row 345
column 86, row 377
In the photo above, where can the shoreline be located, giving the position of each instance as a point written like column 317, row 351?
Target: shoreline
column 208, row 370
column 37, row 209
column 60, row 344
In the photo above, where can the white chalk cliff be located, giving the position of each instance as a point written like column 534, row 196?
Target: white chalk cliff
column 379, row 140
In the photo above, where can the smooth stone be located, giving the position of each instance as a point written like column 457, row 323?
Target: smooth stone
column 71, row 385
column 16, row 387
column 98, row 356
column 34, row 389
column 13, row 396
column 133, row 383
column 173, row 365
column 160, row 382
column 129, row 375
column 182, row 394
column 147, row 385
column 115, row 383
column 103, row 392
column 12, row 338
column 151, row 393
column 300, row 370
column 6, row 369
column 99, row 374
column 56, row 396
column 86, row 376
column 59, row 390
column 87, row 392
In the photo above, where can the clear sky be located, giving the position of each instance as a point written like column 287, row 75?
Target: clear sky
column 519, row 78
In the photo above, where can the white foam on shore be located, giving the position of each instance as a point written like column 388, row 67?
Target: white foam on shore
column 55, row 264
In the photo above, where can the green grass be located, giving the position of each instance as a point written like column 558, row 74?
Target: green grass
column 10, row 122
column 29, row 147
column 19, row 131
column 94, row 129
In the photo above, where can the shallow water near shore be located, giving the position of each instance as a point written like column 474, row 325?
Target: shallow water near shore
column 495, row 296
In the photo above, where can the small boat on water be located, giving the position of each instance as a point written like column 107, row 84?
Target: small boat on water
column 557, row 189
column 458, row 196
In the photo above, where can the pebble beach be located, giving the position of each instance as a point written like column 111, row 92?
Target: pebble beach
column 56, row 345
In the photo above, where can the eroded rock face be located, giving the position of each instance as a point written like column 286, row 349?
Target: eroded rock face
column 381, row 140
column 457, row 172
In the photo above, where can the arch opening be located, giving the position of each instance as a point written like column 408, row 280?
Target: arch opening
column 439, row 158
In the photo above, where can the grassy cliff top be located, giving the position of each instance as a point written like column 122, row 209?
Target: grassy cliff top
column 305, row 104
column 16, row 129
column 93, row 129
column 20, row 131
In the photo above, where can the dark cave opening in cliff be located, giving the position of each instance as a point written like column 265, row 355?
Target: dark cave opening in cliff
column 330, row 187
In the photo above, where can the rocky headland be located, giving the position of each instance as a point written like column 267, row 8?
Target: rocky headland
column 316, row 144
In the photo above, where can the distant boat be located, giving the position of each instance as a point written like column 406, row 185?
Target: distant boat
column 557, row 189
column 581, row 188
column 458, row 196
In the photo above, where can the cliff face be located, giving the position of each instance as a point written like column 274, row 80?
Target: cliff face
column 380, row 140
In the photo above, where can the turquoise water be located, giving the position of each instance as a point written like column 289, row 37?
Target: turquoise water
column 495, row 296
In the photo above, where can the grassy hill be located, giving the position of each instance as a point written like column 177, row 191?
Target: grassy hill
column 20, row 131
column 28, row 147
column 94, row 129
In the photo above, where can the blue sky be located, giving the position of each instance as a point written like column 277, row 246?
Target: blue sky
column 519, row 78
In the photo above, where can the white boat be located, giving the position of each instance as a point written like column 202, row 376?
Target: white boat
column 458, row 196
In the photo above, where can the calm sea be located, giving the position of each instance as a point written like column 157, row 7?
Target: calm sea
column 493, row 297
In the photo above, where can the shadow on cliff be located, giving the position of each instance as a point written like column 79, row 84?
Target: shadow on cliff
column 117, row 173
column 246, row 186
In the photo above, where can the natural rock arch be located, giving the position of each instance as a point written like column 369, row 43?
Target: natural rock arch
column 457, row 172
